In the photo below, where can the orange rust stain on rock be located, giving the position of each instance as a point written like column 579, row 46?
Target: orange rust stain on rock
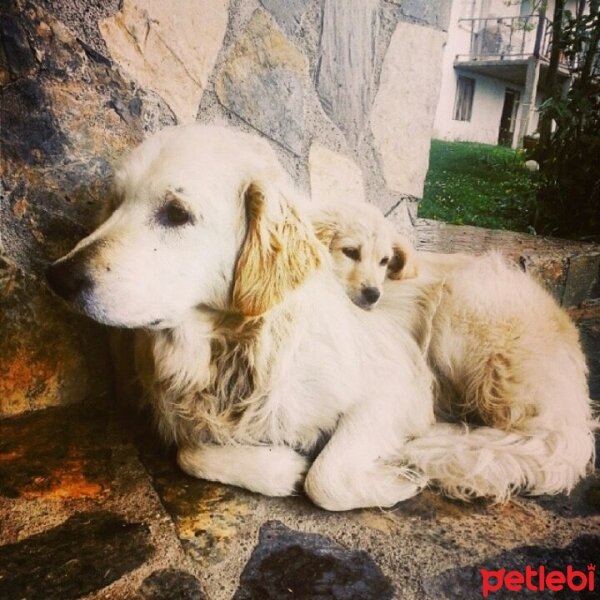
column 43, row 30
column 63, row 482
column 54, row 455
column 22, row 373
column 9, row 456
column 20, row 207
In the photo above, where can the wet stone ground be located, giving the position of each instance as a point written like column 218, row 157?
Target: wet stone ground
column 92, row 506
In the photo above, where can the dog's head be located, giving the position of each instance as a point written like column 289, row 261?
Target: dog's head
column 365, row 249
column 204, row 220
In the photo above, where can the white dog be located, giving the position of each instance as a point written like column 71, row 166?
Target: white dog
column 364, row 247
column 503, row 353
column 251, row 351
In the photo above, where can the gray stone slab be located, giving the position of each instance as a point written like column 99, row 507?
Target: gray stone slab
column 304, row 565
column 263, row 82
column 171, row 583
column 346, row 69
column 89, row 551
column 582, row 279
column 287, row 13
column 433, row 12
column 79, row 516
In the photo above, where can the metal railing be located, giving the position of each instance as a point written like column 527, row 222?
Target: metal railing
column 499, row 38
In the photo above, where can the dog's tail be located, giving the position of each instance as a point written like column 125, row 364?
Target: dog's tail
column 486, row 462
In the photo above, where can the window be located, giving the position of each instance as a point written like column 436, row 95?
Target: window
column 526, row 8
column 463, row 103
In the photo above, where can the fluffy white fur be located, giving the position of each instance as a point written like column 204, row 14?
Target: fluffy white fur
column 365, row 248
column 250, row 350
column 506, row 360
column 253, row 357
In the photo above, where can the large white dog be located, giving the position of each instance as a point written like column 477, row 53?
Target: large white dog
column 251, row 352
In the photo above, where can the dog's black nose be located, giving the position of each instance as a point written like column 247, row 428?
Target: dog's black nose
column 68, row 278
column 371, row 294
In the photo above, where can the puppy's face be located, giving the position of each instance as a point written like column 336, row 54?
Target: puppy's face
column 189, row 225
column 361, row 260
column 365, row 249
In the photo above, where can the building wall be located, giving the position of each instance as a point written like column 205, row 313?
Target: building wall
column 489, row 93
column 488, row 101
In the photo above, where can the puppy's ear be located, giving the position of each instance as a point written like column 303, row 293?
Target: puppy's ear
column 403, row 264
column 279, row 252
column 325, row 225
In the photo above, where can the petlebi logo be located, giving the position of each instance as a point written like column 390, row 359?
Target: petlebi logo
column 538, row 579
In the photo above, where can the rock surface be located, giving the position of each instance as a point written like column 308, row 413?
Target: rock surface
column 287, row 13
column 79, row 516
column 88, row 551
column 159, row 44
column 567, row 269
column 295, row 564
column 346, row 67
column 334, row 177
column 463, row 582
column 73, row 491
column 171, row 583
column 432, row 12
column 65, row 118
column 263, row 81
column 404, row 108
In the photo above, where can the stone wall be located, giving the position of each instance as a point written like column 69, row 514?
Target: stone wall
column 345, row 90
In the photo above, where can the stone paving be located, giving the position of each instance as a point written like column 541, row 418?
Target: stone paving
column 92, row 506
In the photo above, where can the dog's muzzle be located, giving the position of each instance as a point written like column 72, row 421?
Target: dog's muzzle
column 370, row 295
column 69, row 278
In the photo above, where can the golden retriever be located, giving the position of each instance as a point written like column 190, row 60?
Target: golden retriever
column 503, row 353
column 253, row 356
column 248, row 347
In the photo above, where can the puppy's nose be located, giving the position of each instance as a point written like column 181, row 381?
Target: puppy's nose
column 68, row 278
column 370, row 294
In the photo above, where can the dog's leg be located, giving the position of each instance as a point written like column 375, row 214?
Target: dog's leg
column 359, row 466
column 268, row 470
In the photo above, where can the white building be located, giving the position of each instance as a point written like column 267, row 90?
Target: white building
column 494, row 67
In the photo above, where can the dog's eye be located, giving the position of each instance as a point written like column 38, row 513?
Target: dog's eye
column 384, row 261
column 174, row 214
column 352, row 253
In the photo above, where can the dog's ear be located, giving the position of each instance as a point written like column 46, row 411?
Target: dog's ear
column 403, row 264
column 279, row 252
column 325, row 225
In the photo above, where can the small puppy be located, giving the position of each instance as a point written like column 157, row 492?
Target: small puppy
column 365, row 248
column 505, row 356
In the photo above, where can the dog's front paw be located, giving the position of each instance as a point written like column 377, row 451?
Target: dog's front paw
column 268, row 470
column 381, row 485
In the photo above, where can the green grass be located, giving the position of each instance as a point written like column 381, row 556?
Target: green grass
column 478, row 184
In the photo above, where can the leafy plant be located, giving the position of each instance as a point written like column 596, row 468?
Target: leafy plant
column 568, row 202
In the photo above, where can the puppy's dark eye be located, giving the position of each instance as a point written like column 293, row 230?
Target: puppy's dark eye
column 352, row 253
column 174, row 214
column 384, row 261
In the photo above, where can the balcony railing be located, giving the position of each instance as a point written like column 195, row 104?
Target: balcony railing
column 507, row 38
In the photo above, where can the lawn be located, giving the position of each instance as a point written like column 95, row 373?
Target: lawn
column 478, row 184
